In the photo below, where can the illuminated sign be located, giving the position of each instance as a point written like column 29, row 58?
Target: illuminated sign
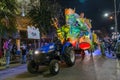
column 33, row 33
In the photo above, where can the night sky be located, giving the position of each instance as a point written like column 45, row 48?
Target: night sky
column 93, row 9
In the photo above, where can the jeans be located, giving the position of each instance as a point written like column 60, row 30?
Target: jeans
column 7, row 61
column 23, row 58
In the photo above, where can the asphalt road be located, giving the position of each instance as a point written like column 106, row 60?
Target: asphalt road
column 91, row 68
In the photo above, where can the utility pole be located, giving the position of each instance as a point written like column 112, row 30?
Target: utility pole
column 115, row 10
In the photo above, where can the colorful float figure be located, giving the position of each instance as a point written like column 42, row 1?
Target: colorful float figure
column 77, row 29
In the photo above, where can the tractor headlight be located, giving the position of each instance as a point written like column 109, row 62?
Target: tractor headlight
column 36, row 52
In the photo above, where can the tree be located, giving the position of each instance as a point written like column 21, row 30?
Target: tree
column 42, row 13
column 8, row 10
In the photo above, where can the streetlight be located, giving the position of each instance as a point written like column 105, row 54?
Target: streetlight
column 111, row 28
column 106, row 15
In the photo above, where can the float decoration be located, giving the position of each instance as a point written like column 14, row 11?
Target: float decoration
column 76, row 29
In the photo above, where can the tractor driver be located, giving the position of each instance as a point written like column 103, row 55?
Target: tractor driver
column 58, row 43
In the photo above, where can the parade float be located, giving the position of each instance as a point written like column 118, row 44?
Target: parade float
column 77, row 30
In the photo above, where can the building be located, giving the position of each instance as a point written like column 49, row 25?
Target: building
column 22, row 21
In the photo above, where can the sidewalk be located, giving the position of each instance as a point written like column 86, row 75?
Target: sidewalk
column 12, row 65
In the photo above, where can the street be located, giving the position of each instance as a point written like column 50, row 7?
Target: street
column 47, row 32
column 91, row 68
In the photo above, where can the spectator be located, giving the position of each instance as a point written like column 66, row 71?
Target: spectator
column 30, row 54
column 23, row 48
column 108, row 44
column 7, row 48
